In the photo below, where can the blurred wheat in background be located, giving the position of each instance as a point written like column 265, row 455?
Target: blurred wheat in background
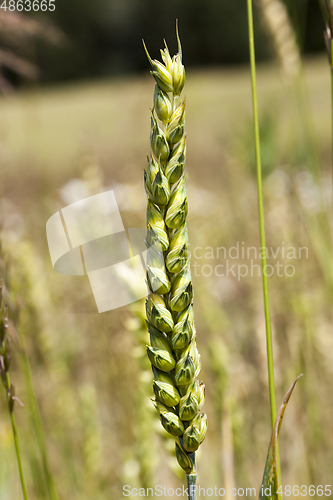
column 63, row 143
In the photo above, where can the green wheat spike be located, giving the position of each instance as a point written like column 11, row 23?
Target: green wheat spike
column 172, row 352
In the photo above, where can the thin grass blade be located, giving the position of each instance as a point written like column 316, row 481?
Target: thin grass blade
column 270, row 482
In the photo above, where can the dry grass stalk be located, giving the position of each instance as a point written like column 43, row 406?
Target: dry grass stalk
column 279, row 26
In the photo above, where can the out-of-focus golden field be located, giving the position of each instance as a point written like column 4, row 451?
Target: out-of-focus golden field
column 90, row 374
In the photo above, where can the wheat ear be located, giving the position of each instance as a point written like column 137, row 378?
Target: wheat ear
column 172, row 351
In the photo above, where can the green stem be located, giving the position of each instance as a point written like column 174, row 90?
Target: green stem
column 37, row 419
column 191, row 479
column 270, row 359
column 332, row 135
column 191, row 484
column 261, row 217
column 16, row 443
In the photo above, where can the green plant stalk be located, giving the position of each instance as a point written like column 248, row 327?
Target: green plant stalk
column 16, row 442
column 332, row 133
column 37, row 420
column 270, row 359
column 191, row 480
column 261, row 217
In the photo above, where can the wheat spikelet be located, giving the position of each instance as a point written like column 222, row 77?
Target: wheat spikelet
column 279, row 26
column 172, row 351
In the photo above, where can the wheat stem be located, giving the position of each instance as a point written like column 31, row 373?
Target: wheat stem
column 191, row 485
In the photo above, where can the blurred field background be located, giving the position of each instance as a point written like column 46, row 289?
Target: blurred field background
column 65, row 141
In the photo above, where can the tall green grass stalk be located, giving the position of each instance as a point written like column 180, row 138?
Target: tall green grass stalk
column 5, row 359
column 38, row 424
column 269, row 343
column 270, row 359
column 331, row 60
column 16, row 443
column 24, row 262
